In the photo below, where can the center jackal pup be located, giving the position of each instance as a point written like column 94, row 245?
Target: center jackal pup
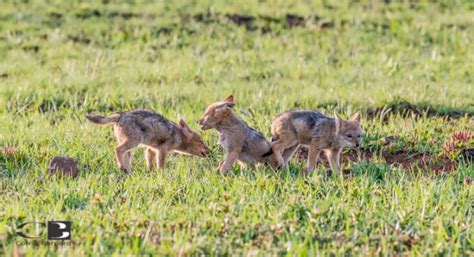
column 239, row 141
column 318, row 132
column 155, row 132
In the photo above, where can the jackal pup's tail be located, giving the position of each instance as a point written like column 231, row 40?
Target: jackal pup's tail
column 101, row 120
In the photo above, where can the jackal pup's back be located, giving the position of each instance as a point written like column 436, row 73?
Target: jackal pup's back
column 318, row 132
column 155, row 132
column 239, row 141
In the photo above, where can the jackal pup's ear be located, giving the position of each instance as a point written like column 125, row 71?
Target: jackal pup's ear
column 356, row 117
column 338, row 120
column 186, row 129
column 229, row 101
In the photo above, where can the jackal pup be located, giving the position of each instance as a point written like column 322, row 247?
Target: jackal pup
column 155, row 132
column 318, row 132
column 239, row 141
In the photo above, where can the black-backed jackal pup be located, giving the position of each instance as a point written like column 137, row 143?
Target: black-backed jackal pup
column 240, row 142
column 318, row 132
column 159, row 135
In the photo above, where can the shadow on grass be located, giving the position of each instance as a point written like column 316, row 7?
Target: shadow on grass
column 397, row 106
column 404, row 108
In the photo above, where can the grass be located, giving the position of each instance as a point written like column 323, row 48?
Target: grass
column 60, row 60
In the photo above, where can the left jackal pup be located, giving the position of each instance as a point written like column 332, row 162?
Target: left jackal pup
column 240, row 142
column 159, row 135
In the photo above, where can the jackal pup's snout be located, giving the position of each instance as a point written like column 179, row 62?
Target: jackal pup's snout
column 192, row 141
column 349, row 131
column 216, row 113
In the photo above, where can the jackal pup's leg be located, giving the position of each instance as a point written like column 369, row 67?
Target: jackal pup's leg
column 334, row 159
column 123, row 155
column 288, row 153
column 127, row 158
column 313, row 156
column 228, row 162
column 162, row 152
column 283, row 142
column 150, row 156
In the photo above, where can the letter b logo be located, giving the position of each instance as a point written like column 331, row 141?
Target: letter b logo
column 59, row 230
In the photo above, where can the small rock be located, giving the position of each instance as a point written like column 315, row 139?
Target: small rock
column 63, row 166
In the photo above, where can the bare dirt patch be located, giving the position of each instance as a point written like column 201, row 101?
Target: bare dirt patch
column 293, row 20
column 400, row 159
column 241, row 20
column 81, row 39
column 265, row 23
column 458, row 148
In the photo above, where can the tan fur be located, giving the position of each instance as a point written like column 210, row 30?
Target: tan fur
column 156, row 133
column 240, row 142
column 318, row 132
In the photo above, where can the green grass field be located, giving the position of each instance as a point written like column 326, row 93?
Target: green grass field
column 408, row 67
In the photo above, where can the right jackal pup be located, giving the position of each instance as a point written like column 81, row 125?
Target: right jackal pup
column 318, row 132
column 239, row 141
column 159, row 135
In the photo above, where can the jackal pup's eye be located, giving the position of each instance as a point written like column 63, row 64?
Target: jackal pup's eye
column 349, row 135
